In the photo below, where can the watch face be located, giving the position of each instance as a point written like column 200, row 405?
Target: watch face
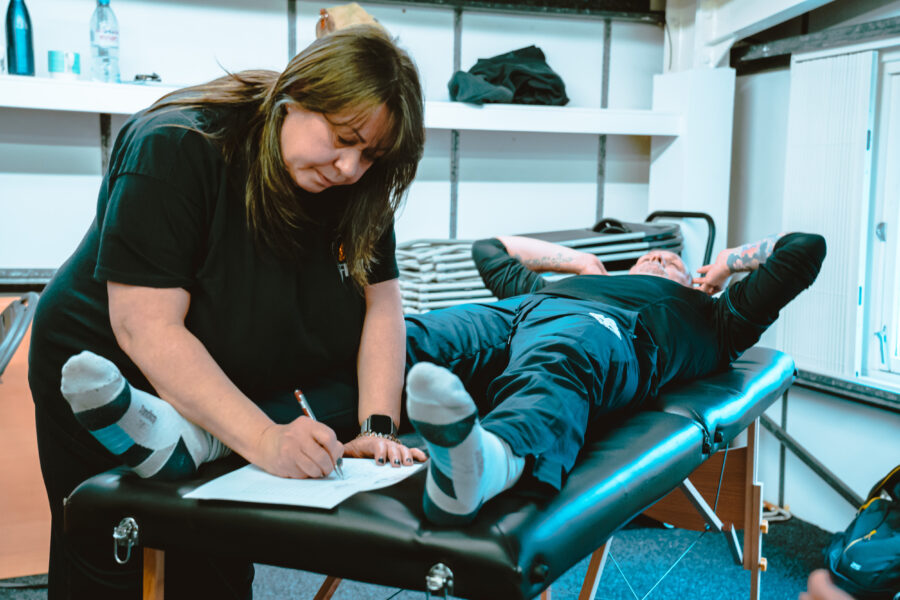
column 382, row 424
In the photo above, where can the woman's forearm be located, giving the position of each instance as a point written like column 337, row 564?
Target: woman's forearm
column 148, row 325
column 382, row 352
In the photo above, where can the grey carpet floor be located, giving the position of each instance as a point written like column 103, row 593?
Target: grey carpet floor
column 643, row 552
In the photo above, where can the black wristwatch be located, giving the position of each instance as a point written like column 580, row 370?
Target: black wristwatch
column 379, row 426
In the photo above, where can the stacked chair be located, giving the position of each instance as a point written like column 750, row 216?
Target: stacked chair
column 440, row 273
column 14, row 321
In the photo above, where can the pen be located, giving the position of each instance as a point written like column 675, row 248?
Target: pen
column 307, row 410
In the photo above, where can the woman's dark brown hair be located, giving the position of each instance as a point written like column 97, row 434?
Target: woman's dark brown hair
column 350, row 73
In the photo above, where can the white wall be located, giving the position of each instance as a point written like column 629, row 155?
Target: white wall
column 184, row 41
column 50, row 162
column 858, row 443
column 50, row 165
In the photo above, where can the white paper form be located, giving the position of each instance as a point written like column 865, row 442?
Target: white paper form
column 252, row 484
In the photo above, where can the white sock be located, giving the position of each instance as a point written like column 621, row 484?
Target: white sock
column 146, row 432
column 469, row 465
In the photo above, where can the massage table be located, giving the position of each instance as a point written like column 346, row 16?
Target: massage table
column 519, row 543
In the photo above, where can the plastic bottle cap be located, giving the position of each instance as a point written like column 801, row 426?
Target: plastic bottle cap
column 103, row 2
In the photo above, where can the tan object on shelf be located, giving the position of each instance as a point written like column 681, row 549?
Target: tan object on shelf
column 344, row 15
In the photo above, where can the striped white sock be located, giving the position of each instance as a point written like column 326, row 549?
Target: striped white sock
column 144, row 431
column 469, row 465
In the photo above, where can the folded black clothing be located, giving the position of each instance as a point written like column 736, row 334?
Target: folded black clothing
column 518, row 77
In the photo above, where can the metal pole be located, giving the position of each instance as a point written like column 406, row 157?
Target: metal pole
column 454, row 134
column 782, row 451
column 604, row 103
column 292, row 28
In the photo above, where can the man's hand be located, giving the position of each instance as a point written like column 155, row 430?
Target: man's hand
column 734, row 260
column 589, row 264
column 713, row 276
column 383, row 451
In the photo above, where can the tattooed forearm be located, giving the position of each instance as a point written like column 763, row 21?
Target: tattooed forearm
column 749, row 256
column 546, row 263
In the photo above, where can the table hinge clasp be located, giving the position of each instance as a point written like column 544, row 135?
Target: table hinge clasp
column 125, row 535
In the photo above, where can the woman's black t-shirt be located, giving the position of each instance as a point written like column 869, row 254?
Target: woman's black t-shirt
column 171, row 214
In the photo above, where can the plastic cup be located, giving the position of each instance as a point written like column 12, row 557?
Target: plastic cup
column 64, row 64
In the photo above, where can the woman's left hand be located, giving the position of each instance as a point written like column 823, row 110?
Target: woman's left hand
column 384, row 451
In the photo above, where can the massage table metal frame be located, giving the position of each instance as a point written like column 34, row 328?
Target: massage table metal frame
column 519, row 543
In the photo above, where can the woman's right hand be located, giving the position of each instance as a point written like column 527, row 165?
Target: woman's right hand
column 301, row 449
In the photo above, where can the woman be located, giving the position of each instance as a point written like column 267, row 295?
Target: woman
column 243, row 247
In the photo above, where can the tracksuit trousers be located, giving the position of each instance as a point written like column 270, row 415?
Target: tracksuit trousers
column 540, row 368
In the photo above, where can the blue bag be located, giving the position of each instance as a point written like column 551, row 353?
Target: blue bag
column 864, row 560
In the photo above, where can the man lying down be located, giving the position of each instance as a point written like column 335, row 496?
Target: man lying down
column 505, row 390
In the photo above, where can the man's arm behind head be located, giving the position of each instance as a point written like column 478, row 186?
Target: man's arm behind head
column 501, row 273
column 509, row 265
column 792, row 267
column 747, row 308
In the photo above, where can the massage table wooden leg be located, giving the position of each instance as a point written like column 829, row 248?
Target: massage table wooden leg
column 154, row 578
column 154, row 574
column 753, row 525
column 594, row 572
column 329, row 587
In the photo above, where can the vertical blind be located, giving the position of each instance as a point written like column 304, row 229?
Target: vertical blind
column 826, row 191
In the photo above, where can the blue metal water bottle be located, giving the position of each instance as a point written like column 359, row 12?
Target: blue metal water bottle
column 19, row 45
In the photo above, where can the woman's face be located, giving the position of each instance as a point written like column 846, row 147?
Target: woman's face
column 320, row 152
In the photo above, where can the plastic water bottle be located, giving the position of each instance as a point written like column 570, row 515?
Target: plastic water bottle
column 19, row 45
column 104, row 44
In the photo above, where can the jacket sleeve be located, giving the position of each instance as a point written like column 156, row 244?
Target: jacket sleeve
column 746, row 309
column 502, row 274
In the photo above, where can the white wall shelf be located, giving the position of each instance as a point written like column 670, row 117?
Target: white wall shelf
column 550, row 119
column 37, row 93
column 41, row 93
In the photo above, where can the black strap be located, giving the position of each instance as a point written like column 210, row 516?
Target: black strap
column 611, row 226
column 890, row 484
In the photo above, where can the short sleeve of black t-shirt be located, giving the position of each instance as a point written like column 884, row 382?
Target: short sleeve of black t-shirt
column 385, row 267
column 163, row 182
column 504, row 275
